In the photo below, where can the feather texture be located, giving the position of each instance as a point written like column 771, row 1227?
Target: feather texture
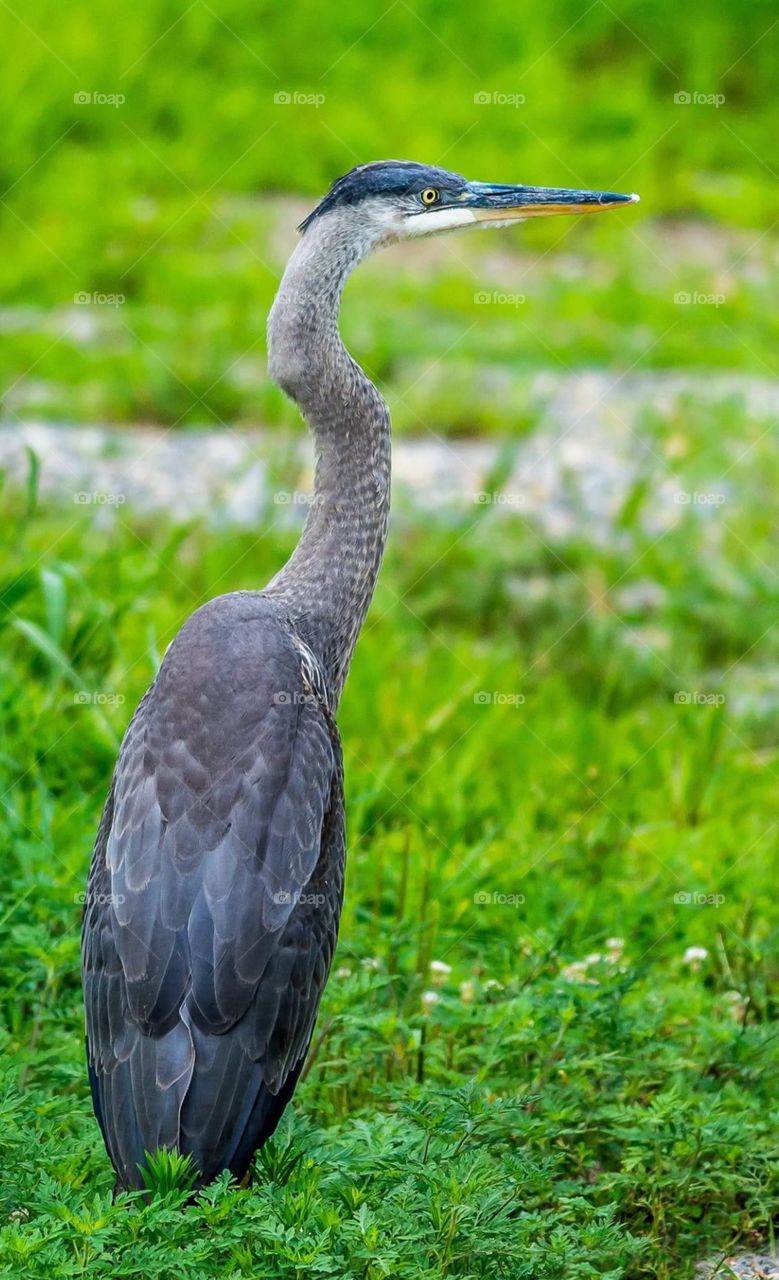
column 214, row 894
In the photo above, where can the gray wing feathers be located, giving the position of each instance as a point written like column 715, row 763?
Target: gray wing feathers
column 215, row 888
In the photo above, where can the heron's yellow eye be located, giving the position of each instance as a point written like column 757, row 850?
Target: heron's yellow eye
column 429, row 195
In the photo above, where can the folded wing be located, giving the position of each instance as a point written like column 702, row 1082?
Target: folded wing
column 214, row 895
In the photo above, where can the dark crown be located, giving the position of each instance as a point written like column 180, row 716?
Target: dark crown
column 384, row 178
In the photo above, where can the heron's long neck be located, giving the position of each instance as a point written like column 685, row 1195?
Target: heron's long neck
column 328, row 582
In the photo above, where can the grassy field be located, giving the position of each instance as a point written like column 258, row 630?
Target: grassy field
column 185, row 103
column 561, row 765
column 143, row 243
column 438, row 325
column 549, row 1045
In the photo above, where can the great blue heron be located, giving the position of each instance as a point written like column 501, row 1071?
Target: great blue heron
column 217, row 876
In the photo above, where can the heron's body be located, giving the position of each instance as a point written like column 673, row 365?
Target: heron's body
column 217, row 876
column 215, row 893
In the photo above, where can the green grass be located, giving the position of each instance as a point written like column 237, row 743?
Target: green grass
column 547, row 740
column 199, row 116
column 550, row 1113
column 166, row 198
column 440, row 326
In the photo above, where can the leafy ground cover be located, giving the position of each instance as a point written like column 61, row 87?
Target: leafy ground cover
column 549, row 1044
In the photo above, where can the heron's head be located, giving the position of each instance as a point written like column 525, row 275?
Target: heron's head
column 398, row 199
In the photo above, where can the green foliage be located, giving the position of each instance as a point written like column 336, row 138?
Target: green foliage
column 167, row 1172
column 199, row 90
column 456, row 343
column 548, row 1047
column 167, row 201
column 543, row 1099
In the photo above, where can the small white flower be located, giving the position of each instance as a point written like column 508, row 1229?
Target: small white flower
column 372, row 962
column 577, row 972
column 343, row 973
column 615, row 944
column 594, row 957
column 694, row 957
column 737, row 1005
column 492, row 984
column 439, row 972
column 467, row 992
column 429, row 998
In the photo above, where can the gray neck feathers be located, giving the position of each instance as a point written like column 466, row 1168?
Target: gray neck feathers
column 328, row 582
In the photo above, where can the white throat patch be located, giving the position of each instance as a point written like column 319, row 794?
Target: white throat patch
column 421, row 224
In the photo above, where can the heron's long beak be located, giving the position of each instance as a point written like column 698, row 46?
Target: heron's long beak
column 497, row 203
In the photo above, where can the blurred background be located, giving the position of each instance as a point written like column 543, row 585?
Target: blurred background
column 153, row 157
column 561, row 724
